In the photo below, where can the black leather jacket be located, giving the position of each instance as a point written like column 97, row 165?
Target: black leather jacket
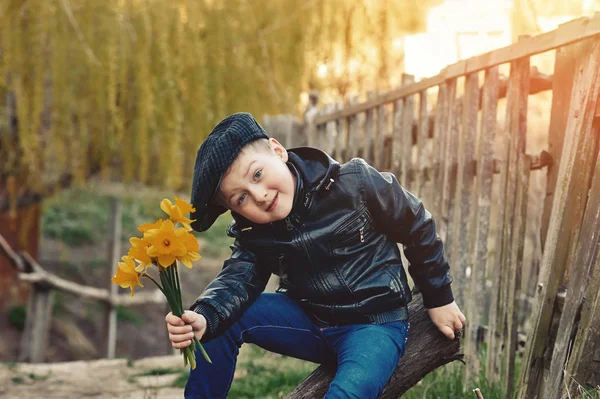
column 336, row 253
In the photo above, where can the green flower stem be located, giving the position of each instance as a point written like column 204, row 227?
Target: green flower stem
column 199, row 345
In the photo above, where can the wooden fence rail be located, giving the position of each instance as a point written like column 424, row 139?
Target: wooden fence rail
column 472, row 178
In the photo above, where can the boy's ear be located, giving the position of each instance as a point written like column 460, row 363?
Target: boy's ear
column 278, row 149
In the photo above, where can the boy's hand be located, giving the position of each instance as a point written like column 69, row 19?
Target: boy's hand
column 181, row 332
column 447, row 318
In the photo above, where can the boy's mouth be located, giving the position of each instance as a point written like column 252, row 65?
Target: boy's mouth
column 274, row 203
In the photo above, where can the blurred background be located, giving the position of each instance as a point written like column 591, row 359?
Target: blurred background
column 110, row 99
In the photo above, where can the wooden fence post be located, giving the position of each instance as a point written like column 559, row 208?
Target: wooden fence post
column 463, row 191
column 587, row 259
column 37, row 324
column 483, row 193
column 439, row 137
column 567, row 210
column 408, row 109
column 114, row 256
column 423, row 159
column 370, row 130
column 340, row 138
column 380, row 136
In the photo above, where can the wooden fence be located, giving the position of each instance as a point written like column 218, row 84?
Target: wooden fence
column 471, row 178
column 34, row 339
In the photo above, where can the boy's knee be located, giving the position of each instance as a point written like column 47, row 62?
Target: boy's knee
column 356, row 383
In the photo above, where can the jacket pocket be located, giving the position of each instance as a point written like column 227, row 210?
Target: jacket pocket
column 353, row 235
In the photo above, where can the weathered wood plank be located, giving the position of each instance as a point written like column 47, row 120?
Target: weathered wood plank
column 483, row 192
column 562, row 84
column 496, row 319
column 516, row 130
column 586, row 254
column 330, row 132
column 575, row 168
column 341, row 137
column 439, row 138
column 445, row 162
column 370, row 130
column 515, row 257
column 426, row 350
column 423, row 157
column 584, row 360
column 114, row 254
column 408, row 110
column 380, row 134
column 571, row 32
column 460, row 223
column 397, row 139
column 37, row 324
column 353, row 142
column 450, row 176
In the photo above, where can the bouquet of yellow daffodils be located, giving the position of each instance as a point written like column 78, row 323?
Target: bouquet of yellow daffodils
column 162, row 246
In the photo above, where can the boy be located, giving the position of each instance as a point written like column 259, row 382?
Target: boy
column 330, row 232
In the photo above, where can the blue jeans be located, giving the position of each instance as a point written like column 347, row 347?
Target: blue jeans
column 366, row 354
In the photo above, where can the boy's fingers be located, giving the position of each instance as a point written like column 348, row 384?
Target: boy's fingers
column 174, row 320
column 462, row 317
column 189, row 317
column 447, row 331
column 458, row 325
column 179, row 329
column 179, row 338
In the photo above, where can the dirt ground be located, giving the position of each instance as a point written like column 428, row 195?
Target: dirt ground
column 102, row 379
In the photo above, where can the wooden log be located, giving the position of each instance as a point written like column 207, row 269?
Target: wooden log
column 579, row 153
column 586, row 259
column 426, row 350
column 408, row 109
column 460, row 222
column 483, row 192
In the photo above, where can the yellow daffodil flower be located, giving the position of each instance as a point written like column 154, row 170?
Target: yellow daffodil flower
column 126, row 275
column 148, row 226
column 176, row 212
column 192, row 246
column 166, row 243
column 139, row 252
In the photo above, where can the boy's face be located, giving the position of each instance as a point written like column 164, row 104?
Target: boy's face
column 259, row 186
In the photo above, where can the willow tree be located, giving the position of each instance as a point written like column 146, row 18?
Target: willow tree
column 127, row 89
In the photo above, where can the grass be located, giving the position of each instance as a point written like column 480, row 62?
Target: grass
column 80, row 216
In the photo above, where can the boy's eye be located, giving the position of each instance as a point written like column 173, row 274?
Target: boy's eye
column 241, row 199
column 257, row 174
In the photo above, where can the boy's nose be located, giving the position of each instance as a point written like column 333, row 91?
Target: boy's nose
column 259, row 194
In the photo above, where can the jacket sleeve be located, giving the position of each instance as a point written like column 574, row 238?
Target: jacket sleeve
column 402, row 217
column 232, row 291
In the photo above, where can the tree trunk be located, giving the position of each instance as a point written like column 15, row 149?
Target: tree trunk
column 423, row 355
